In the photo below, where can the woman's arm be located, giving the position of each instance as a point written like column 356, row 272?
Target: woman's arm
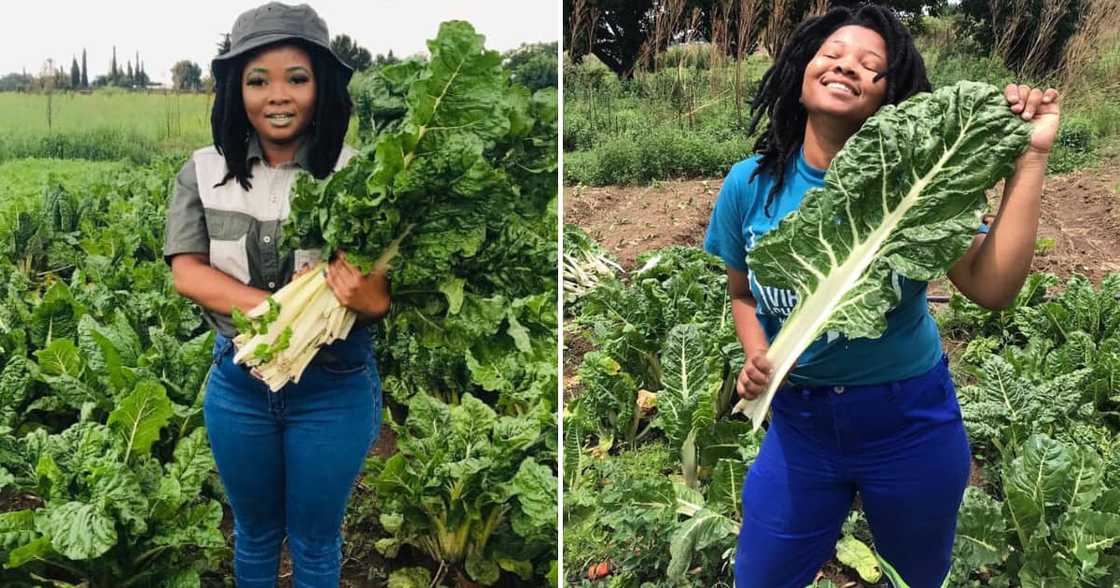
column 211, row 288
column 994, row 268
column 755, row 374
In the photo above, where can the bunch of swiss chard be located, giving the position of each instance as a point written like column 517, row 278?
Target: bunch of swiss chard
column 468, row 352
column 451, row 196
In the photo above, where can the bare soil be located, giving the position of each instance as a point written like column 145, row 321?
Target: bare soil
column 1080, row 213
column 1079, row 232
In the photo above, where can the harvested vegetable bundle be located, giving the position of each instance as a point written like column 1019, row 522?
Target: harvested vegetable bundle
column 417, row 198
column 905, row 194
column 585, row 263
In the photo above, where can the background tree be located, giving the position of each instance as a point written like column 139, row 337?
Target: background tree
column 15, row 82
column 75, row 73
column 224, row 44
column 387, row 59
column 623, row 32
column 129, row 79
column 532, row 65
column 186, row 75
column 1030, row 36
column 85, row 72
column 354, row 55
column 114, row 73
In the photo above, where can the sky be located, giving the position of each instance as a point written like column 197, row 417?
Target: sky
column 167, row 32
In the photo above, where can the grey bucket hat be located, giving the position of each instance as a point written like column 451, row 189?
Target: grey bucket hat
column 274, row 22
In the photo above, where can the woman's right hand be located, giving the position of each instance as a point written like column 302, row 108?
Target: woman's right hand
column 755, row 376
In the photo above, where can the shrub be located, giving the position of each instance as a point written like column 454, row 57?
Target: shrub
column 1074, row 146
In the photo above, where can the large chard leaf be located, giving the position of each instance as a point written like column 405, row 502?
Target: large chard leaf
column 904, row 195
column 141, row 416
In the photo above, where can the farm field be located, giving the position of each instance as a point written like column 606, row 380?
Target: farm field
column 108, row 124
column 1081, row 216
column 106, row 475
column 654, row 461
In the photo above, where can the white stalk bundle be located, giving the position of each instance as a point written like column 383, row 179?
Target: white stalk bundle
column 310, row 317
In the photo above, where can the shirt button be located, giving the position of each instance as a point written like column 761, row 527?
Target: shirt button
column 839, row 389
column 267, row 239
column 272, row 284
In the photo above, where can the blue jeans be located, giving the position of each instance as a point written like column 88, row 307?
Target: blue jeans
column 902, row 445
column 288, row 459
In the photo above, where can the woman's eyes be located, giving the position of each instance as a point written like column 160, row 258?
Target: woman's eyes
column 296, row 79
column 871, row 66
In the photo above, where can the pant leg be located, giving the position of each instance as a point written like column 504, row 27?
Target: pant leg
column 795, row 500
column 332, row 419
column 247, row 442
column 912, row 496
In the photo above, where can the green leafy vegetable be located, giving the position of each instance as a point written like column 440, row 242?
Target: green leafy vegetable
column 904, row 195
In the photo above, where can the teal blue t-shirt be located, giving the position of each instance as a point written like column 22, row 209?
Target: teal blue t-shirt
column 909, row 347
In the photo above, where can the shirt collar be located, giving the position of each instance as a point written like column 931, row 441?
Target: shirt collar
column 302, row 157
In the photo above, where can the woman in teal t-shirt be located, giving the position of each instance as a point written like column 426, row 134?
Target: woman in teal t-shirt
column 877, row 416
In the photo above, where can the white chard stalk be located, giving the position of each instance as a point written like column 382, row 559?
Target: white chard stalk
column 310, row 314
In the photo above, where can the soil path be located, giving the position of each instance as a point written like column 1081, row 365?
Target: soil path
column 1080, row 214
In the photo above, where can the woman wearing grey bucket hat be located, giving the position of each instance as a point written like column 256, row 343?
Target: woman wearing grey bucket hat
column 288, row 459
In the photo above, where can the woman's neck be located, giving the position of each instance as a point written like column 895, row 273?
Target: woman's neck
column 823, row 140
column 278, row 153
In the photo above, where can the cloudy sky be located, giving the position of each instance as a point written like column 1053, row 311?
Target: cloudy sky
column 166, row 32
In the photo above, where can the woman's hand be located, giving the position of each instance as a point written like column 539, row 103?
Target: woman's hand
column 755, row 375
column 366, row 295
column 1040, row 107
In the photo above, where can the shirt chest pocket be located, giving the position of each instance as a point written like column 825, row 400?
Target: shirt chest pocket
column 229, row 237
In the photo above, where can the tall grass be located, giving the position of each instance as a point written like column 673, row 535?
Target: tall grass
column 171, row 121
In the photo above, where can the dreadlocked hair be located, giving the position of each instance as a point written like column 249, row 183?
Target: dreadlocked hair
column 779, row 94
column 231, row 129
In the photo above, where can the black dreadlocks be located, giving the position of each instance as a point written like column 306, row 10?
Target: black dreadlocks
column 230, row 126
column 779, row 94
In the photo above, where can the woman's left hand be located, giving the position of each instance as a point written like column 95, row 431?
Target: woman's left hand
column 1040, row 108
column 364, row 294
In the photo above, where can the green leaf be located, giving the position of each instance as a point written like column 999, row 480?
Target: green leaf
column 197, row 526
column 37, row 549
column 59, row 358
column 78, row 530
column 1034, row 484
column 481, row 570
column 410, row 578
column 685, row 381
column 857, row 555
column 453, row 289
column 17, row 528
column 521, row 567
column 192, row 463
column 141, row 416
column 534, row 485
column 981, row 541
column 15, row 386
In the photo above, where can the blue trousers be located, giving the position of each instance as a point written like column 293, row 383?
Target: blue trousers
column 288, row 459
column 901, row 445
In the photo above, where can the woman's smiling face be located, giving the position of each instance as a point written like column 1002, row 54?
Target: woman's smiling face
column 838, row 80
column 278, row 88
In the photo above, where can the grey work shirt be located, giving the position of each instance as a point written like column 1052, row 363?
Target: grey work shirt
column 238, row 230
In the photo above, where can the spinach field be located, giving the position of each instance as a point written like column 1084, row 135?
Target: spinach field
column 106, row 476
